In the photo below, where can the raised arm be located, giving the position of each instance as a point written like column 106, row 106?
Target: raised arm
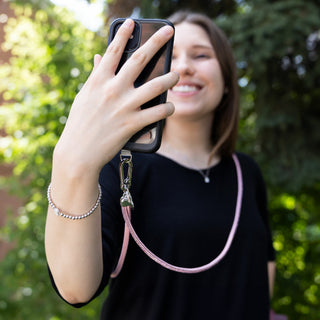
column 104, row 115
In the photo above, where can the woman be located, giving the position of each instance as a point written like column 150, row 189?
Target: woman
column 185, row 194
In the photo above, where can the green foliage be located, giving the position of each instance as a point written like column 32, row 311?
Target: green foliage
column 297, row 241
column 277, row 46
column 52, row 55
column 164, row 8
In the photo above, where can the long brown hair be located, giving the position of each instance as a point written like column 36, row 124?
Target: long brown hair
column 225, row 124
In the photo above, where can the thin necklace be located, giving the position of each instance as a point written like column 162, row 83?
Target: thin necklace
column 205, row 174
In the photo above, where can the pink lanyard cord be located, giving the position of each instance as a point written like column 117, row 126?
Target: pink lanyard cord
column 126, row 212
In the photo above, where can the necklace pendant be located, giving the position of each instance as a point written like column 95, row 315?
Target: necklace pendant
column 206, row 179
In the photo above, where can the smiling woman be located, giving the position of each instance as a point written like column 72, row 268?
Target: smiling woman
column 187, row 195
column 208, row 82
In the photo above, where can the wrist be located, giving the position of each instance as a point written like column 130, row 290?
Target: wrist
column 74, row 185
column 60, row 213
column 74, row 167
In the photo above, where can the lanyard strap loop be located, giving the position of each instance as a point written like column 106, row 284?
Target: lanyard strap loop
column 128, row 229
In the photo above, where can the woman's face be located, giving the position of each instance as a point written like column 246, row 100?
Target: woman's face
column 201, row 84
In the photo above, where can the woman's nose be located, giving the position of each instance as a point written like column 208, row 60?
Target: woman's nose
column 182, row 65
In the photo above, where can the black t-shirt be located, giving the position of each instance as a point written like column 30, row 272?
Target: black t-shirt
column 186, row 222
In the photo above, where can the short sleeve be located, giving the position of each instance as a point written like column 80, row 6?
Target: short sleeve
column 263, row 208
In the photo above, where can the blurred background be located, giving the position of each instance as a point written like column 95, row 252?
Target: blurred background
column 46, row 53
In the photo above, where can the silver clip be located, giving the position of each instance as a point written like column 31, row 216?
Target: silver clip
column 125, row 182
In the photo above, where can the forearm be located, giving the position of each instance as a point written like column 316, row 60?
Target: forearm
column 74, row 247
column 104, row 115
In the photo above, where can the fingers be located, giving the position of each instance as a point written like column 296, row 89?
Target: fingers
column 96, row 61
column 133, row 67
column 117, row 91
column 150, row 115
column 147, row 92
column 154, row 87
column 115, row 49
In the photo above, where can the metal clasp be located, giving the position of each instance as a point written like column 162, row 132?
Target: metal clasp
column 125, row 181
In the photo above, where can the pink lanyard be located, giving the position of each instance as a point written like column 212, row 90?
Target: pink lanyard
column 126, row 204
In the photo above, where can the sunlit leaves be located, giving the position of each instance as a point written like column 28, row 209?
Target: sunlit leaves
column 296, row 236
column 51, row 55
column 277, row 46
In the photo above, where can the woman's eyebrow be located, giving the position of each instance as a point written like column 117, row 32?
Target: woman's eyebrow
column 199, row 46
column 202, row 46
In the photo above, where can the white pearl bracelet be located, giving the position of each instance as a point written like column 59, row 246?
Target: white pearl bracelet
column 58, row 212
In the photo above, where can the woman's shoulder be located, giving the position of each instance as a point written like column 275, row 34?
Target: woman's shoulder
column 247, row 161
column 249, row 165
column 251, row 169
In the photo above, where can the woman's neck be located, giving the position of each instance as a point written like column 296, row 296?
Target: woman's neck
column 188, row 143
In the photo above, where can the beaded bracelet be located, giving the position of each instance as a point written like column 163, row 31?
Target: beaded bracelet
column 58, row 212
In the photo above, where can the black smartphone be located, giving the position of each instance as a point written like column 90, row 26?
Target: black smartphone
column 149, row 138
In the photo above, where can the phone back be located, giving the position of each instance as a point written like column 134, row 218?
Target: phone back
column 149, row 138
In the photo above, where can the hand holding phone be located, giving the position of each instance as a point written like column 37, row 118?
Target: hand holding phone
column 106, row 111
column 149, row 138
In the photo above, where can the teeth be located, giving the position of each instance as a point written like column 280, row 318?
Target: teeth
column 184, row 88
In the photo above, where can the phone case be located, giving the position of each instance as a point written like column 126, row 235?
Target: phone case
column 149, row 138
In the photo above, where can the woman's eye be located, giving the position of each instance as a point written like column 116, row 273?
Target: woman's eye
column 201, row 56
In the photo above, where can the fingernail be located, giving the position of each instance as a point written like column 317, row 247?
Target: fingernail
column 170, row 109
column 167, row 30
column 127, row 23
column 177, row 75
